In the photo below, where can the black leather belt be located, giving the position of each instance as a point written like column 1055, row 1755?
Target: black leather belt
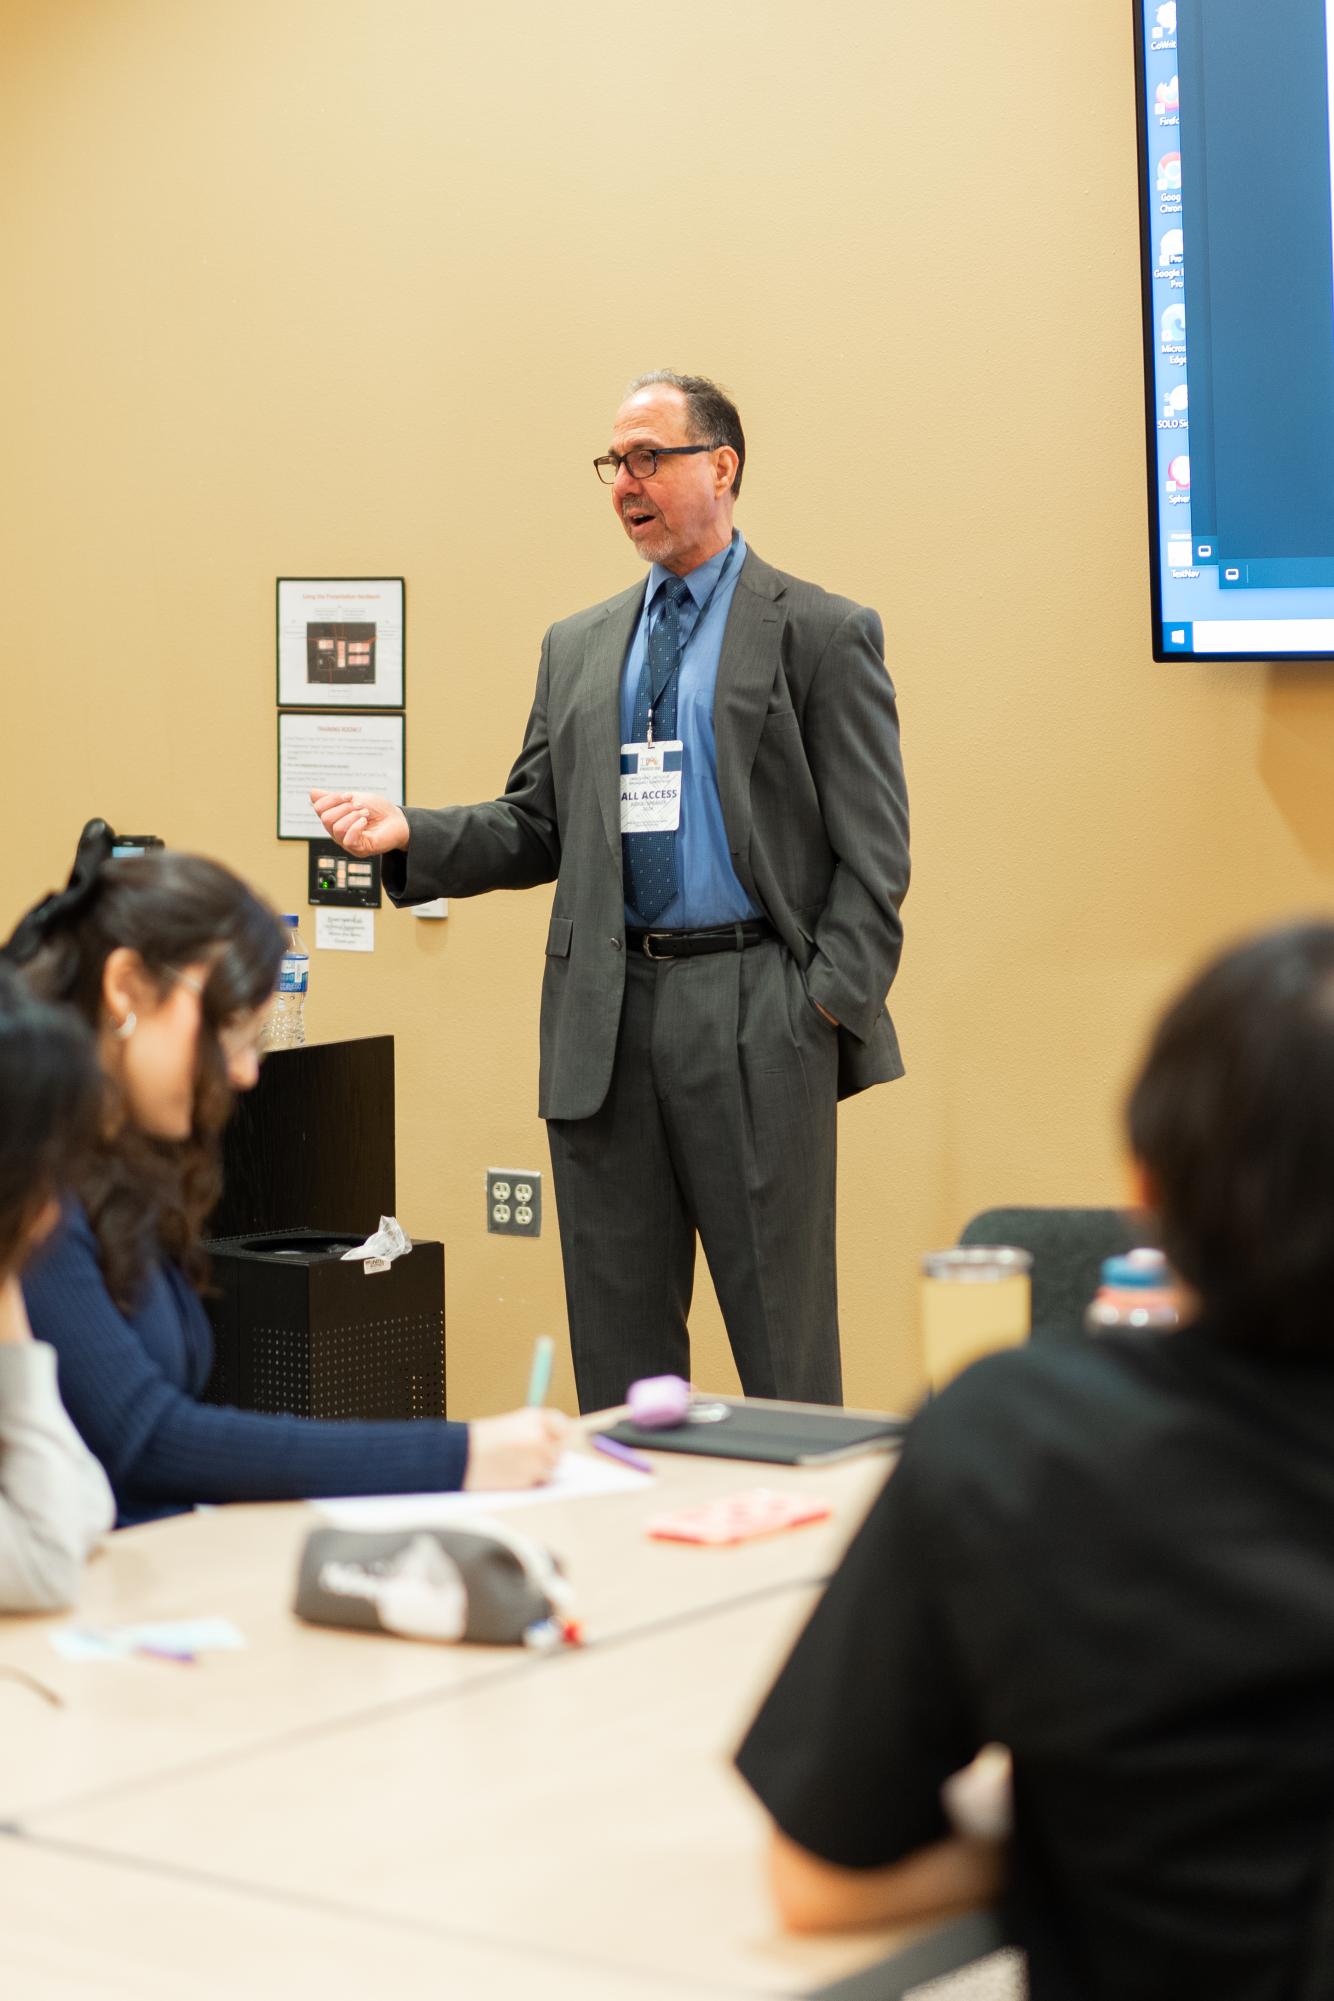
column 689, row 944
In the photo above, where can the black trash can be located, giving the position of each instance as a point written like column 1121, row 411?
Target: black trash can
column 298, row 1330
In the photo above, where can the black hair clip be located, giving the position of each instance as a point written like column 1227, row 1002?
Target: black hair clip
column 61, row 907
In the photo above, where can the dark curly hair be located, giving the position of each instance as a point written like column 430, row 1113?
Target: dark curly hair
column 1233, row 1116
column 145, row 1196
column 50, row 1101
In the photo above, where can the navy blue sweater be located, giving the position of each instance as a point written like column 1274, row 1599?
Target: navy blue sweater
column 132, row 1382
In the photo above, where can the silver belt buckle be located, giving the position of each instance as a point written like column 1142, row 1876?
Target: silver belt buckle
column 649, row 953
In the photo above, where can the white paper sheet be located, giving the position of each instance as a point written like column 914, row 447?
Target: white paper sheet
column 333, row 753
column 344, row 930
column 578, row 1476
column 350, row 609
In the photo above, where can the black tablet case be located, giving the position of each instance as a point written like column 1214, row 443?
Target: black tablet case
column 781, row 1434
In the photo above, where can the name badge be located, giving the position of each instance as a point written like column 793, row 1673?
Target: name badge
column 651, row 776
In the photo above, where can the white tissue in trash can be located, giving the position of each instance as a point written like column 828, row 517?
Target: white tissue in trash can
column 380, row 1249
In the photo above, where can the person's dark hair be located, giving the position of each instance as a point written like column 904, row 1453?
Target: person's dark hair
column 50, row 1100
column 144, row 1195
column 1233, row 1117
column 711, row 416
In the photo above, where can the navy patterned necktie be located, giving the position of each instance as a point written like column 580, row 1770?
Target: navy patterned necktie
column 649, row 860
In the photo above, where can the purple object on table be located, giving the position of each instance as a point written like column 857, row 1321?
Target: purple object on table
column 615, row 1450
column 658, row 1401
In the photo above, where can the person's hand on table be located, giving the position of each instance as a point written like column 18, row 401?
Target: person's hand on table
column 520, row 1449
column 362, row 822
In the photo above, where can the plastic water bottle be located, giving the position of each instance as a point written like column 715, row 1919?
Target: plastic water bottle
column 1137, row 1290
column 287, row 1021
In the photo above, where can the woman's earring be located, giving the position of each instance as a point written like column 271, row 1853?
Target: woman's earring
column 125, row 1029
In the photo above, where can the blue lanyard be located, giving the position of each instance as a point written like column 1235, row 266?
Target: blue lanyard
column 686, row 644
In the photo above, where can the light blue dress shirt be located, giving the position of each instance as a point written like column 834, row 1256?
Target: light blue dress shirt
column 708, row 891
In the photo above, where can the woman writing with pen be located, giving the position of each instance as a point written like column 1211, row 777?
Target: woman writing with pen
column 172, row 962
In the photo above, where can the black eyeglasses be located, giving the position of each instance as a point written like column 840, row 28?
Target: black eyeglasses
column 642, row 462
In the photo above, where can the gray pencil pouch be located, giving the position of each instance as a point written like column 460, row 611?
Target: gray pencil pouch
column 485, row 1583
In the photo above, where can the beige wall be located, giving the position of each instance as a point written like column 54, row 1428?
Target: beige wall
column 351, row 286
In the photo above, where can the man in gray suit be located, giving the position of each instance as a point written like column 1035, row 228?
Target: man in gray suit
column 711, row 776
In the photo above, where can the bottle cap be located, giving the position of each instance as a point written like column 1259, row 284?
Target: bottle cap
column 1143, row 1270
column 972, row 1263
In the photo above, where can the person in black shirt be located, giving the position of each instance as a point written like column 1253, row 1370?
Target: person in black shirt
column 1116, row 1558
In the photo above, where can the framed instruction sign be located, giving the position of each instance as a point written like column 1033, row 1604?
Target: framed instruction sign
column 340, row 643
column 335, row 753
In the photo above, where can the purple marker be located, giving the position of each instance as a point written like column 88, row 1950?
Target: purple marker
column 615, row 1450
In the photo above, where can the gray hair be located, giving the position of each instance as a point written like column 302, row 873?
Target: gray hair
column 711, row 415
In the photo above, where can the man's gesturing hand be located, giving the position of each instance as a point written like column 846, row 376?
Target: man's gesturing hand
column 362, row 822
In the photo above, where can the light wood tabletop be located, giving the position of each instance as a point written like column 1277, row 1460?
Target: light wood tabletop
column 125, row 1721
column 466, row 1820
column 589, row 1798
column 92, row 1929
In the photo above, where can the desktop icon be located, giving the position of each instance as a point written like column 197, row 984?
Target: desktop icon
column 1175, row 404
column 1178, row 475
column 1165, row 25
column 1172, row 248
column 1174, row 326
column 1167, row 98
column 1180, row 553
column 1169, row 174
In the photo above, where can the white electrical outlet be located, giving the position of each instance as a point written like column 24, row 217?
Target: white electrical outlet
column 513, row 1202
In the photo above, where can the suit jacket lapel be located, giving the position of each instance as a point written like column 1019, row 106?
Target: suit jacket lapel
column 603, row 661
column 747, row 669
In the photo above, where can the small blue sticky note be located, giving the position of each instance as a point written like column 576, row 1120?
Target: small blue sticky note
column 73, row 1643
column 167, row 1636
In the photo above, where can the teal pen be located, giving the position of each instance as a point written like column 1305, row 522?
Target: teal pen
column 539, row 1382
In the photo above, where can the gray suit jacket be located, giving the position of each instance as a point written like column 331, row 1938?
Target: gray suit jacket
column 813, row 801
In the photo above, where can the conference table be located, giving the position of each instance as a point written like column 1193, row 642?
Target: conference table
column 351, row 1814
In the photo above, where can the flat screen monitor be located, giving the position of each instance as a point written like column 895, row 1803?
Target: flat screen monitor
column 1238, row 285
